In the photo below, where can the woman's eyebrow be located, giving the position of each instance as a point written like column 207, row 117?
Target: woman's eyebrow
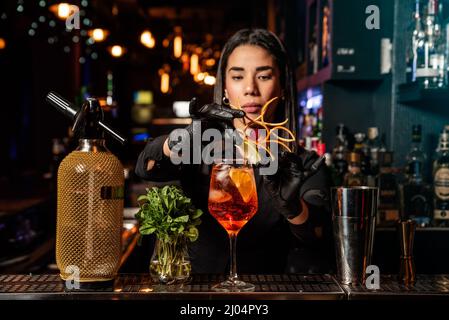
column 236, row 69
column 261, row 68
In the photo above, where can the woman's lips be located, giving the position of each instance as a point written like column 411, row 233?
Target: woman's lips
column 252, row 108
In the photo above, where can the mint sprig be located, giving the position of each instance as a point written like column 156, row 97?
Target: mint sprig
column 168, row 213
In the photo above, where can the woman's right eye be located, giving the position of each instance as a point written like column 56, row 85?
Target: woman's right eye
column 237, row 77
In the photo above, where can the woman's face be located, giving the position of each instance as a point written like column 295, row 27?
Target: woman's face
column 251, row 79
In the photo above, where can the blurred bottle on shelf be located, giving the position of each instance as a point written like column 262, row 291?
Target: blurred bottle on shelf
column 317, row 129
column 374, row 145
column 325, row 34
column 415, row 53
column 311, row 120
column 415, row 194
column 436, row 45
column 313, row 54
column 354, row 176
column 426, row 57
column 388, row 213
column 441, row 182
column 416, row 158
column 339, row 155
column 361, row 147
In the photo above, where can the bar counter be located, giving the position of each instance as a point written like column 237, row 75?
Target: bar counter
column 268, row 287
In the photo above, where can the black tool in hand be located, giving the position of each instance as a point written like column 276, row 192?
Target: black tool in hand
column 209, row 116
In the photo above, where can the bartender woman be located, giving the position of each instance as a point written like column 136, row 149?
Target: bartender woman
column 285, row 235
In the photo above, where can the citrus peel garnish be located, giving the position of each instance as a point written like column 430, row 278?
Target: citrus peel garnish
column 251, row 145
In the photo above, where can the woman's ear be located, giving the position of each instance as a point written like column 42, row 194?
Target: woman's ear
column 226, row 94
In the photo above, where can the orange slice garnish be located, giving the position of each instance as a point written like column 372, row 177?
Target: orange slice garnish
column 243, row 180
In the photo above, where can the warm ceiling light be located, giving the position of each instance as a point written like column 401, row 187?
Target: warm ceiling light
column 165, row 43
column 146, row 38
column 165, row 82
column 185, row 62
column 117, row 51
column 210, row 62
column 209, row 80
column 2, row 43
column 177, row 46
column 64, row 10
column 200, row 76
column 194, row 69
column 98, row 34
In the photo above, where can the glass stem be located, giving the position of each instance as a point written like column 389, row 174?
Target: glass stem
column 232, row 246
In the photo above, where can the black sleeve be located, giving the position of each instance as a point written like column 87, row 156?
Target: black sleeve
column 315, row 193
column 163, row 169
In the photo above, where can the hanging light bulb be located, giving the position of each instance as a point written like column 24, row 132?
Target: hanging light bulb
column 177, row 46
column 194, row 68
column 146, row 38
column 117, row 51
column 209, row 80
column 200, row 76
column 185, row 62
column 2, row 43
column 210, row 62
column 64, row 10
column 98, row 34
column 165, row 82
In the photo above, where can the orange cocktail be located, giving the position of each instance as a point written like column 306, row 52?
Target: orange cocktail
column 232, row 196
column 232, row 201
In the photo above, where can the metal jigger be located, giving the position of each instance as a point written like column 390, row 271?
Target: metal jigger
column 407, row 270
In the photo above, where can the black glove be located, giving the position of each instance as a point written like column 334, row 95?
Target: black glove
column 284, row 186
column 210, row 116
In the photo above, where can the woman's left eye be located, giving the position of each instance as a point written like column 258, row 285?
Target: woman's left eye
column 265, row 77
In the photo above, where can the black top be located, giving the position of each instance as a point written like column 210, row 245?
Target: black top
column 264, row 243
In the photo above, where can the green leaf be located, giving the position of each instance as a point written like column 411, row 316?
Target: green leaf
column 142, row 197
column 192, row 234
column 181, row 219
column 145, row 230
column 197, row 213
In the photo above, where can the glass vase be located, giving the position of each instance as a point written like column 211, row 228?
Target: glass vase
column 170, row 263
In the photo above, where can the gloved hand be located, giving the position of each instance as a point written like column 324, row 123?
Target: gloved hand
column 209, row 116
column 284, row 186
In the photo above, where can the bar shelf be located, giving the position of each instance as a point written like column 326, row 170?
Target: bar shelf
column 412, row 94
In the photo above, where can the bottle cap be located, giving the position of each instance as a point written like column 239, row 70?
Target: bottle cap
column 359, row 137
column 373, row 133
